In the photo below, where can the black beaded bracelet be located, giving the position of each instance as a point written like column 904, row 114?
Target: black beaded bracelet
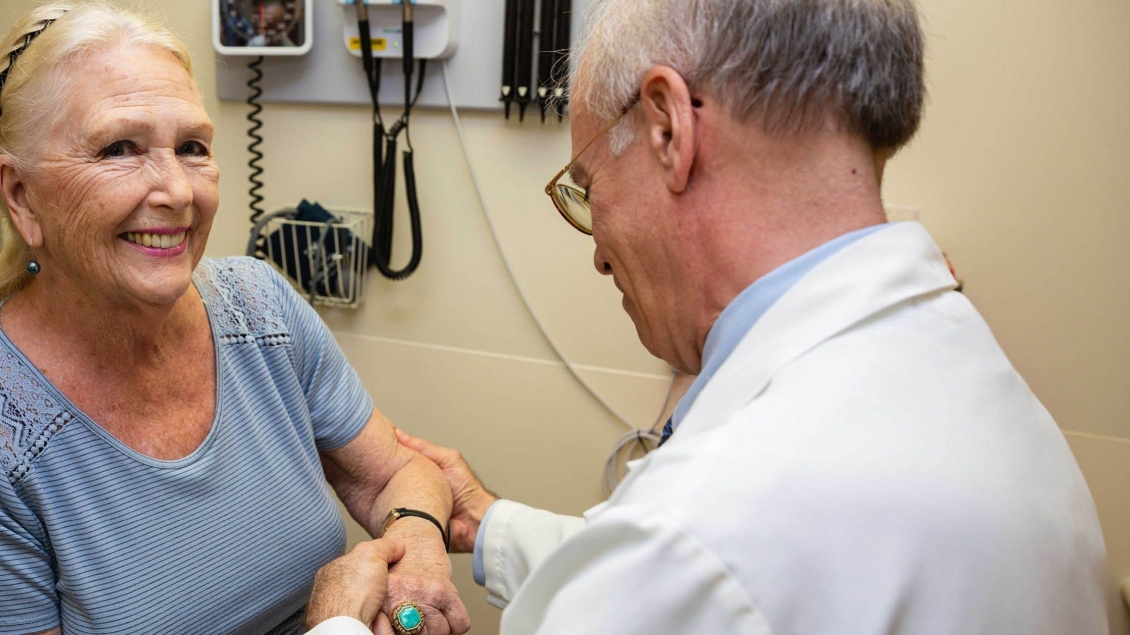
column 401, row 512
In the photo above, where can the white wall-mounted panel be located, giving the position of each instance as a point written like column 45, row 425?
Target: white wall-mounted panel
column 330, row 74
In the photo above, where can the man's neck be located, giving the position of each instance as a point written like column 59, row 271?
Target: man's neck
column 771, row 199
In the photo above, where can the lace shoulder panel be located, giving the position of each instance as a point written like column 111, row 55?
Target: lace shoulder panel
column 243, row 301
column 29, row 415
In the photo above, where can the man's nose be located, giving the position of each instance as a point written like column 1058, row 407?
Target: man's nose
column 601, row 263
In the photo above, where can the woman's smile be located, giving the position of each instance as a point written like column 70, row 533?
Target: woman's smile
column 164, row 243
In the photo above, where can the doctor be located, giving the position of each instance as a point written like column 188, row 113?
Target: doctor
column 857, row 454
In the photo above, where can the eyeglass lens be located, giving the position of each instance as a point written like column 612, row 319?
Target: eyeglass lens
column 574, row 205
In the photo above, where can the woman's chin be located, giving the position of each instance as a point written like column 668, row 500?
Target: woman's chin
column 160, row 290
column 159, row 281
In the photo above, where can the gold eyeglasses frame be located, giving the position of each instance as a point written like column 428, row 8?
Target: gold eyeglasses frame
column 562, row 194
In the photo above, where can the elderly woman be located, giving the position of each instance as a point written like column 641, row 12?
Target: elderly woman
column 169, row 422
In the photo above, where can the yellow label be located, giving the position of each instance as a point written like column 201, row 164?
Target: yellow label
column 379, row 43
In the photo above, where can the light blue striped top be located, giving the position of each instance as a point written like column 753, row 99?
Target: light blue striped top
column 98, row 538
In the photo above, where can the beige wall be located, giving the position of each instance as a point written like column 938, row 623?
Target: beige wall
column 1020, row 172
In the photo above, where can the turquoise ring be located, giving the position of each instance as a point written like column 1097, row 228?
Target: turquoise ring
column 407, row 619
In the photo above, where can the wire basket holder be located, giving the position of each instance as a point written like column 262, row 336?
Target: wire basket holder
column 326, row 261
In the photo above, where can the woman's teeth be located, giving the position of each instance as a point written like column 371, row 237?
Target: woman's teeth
column 161, row 241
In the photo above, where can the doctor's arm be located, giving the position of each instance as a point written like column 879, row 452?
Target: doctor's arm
column 373, row 474
column 508, row 539
column 632, row 571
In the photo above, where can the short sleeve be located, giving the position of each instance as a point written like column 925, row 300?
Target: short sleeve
column 338, row 402
column 26, row 575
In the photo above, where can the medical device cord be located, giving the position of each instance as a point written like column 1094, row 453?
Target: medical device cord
column 633, row 445
column 319, row 267
column 636, row 438
column 384, row 150
column 259, row 250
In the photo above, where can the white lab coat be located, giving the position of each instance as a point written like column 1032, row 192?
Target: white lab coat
column 866, row 462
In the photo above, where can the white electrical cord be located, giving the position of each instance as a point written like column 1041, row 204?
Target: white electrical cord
column 633, row 445
column 635, row 439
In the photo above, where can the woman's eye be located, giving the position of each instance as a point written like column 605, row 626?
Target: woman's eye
column 193, row 148
column 118, row 149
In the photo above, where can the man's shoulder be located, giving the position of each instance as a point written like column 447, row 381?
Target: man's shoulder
column 880, row 422
column 885, row 457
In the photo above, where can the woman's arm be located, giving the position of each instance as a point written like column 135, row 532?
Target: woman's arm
column 373, row 474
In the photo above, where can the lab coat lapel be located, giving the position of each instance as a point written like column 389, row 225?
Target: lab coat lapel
column 873, row 274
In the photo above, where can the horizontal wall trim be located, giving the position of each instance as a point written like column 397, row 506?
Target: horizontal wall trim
column 1095, row 437
column 502, row 356
column 522, row 359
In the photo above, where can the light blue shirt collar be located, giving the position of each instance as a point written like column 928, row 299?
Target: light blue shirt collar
column 748, row 307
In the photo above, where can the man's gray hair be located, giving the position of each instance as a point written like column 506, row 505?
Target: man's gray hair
column 793, row 65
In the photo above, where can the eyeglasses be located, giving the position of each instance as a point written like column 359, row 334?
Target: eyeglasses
column 569, row 199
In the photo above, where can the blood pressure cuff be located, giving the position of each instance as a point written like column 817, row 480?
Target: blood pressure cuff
column 319, row 253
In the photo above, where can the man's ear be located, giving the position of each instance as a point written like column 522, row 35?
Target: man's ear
column 13, row 187
column 670, row 124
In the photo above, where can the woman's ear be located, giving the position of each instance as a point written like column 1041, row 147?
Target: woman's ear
column 670, row 124
column 13, row 187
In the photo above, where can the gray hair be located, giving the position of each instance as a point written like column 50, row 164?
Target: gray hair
column 793, row 65
column 30, row 102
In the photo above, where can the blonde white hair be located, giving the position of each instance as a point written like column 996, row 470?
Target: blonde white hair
column 65, row 33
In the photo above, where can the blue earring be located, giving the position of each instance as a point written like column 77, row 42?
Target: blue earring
column 33, row 267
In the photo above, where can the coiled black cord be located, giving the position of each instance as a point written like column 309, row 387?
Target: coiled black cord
column 381, row 254
column 256, row 155
column 384, row 153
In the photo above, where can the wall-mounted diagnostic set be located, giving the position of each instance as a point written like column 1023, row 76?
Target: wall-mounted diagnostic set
column 332, row 51
column 327, row 255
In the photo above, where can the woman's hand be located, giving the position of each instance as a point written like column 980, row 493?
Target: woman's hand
column 423, row 577
column 374, row 474
column 354, row 585
column 470, row 499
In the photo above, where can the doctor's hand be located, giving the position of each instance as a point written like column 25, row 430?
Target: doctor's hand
column 355, row 584
column 470, row 499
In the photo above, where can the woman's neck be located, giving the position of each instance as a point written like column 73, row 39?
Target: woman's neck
column 78, row 323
